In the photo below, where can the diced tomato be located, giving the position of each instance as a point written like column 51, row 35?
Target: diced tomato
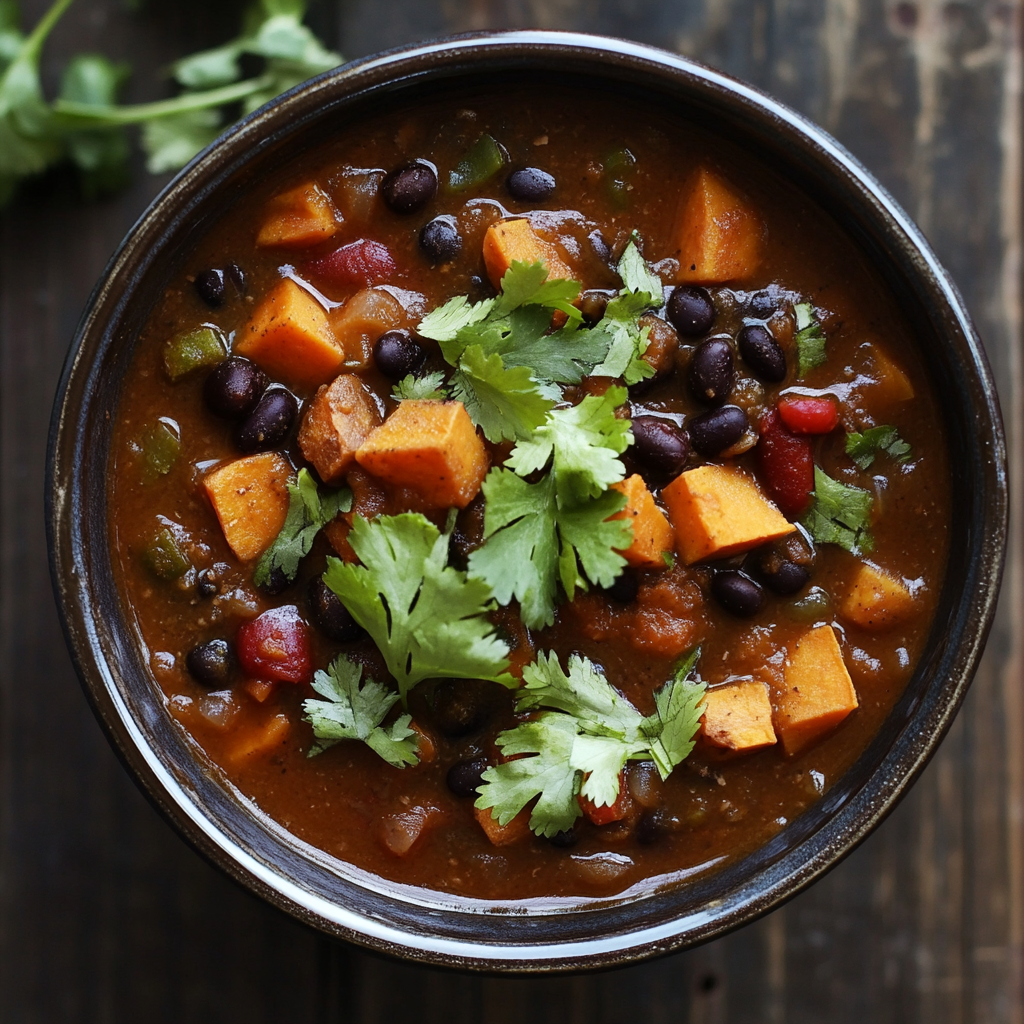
column 610, row 812
column 786, row 465
column 275, row 645
column 260, row 689
column 809, row 415
column 356, row 265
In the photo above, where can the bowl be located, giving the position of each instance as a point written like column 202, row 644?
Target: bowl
column 412, row 923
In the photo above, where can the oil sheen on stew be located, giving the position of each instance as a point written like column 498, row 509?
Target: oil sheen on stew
column 529, row 504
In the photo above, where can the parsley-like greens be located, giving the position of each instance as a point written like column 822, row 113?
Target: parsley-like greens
column 839, row 514
column 309, row 511
column 810, row 339
column 354, row 712
column 429, row 386
column 428, row 619
column 862, row 447
column 582, row 744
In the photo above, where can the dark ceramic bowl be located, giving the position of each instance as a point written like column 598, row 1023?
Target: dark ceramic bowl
column 423, row 926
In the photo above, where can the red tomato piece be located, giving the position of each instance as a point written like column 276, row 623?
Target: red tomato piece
column 786, row 465
column 275, row 645
column 809, row 415
column 610, row 812
column 356, row 265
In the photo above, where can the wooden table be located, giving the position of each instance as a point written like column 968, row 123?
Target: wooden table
column 106, row 916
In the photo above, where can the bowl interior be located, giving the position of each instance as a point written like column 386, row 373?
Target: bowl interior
column 431, row 927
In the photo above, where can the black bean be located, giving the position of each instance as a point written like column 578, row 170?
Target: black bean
column 659, row 445
column 600, row 246
column 233, row 387
column 275, row 583
column 762, row 353
column 460, row 706
column 737, row 593
column 787, row 578
column 760, row 305
column 397, row 355
column 531, row 184
column 409, row 188
column 329, row 615
column 211, row 663
column 206, row 584
column 651, row 827
column 564, row 839
column 237, row 275
column 466, row 777
column 713, row 432
column 625, row 588
column 593, row 303
column 691, row 311
column 210, row 286
column 268, row 424
column 440, row 239
column 711, row 371
column 468, row 534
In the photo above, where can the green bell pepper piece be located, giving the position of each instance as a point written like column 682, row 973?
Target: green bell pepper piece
column 482, row 161
column 158, row 449
column 188, row 351
column 164, row 557
column 619, row 168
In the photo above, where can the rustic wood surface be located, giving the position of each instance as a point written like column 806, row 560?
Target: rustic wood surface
column 106, row 916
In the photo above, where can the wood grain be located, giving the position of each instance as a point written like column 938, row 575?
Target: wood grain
column 106, row 916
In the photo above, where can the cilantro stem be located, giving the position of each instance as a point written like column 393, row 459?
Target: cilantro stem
column 34, row 42
column 140, row 112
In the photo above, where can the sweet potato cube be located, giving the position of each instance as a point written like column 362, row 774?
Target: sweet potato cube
column 511, row 240
column 876, row 600
column 891, row 385
column 817, row 692
column 300, row 217
column 652, row 535
column 719, row 234
column 358, row 323
column 515, row 831
column 738, row 717
column 250, row 497
column 431, row 448
column 718, row 511
column 339, row 420
column 260, row 739
column 290, row 337
column 400, row 832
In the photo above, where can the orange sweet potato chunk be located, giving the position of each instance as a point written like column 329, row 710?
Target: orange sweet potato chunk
column 260, row 739
column 511, row 240
column 738, row 717
column 431, row 448
column 339, row 420
column 515, row 831
column 289, row 337
column 718, row 511
column 300, row 217
column 250, row 497
column 358, row 323
column 652, row 534
column 719, row 234
column 817, row 692
column 876, row 600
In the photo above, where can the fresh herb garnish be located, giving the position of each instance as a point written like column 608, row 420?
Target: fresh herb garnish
column 429, row 386
column 428, row 619
column 354, row 712
column 581, row 746
column 309, row 511
column 862, row 447
column 840, row 514
column 810, row 339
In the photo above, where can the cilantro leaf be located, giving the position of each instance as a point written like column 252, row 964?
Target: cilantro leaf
column 445, row 322
column 354, row 712
column 429, row 386
column 862, row 447
column 527, row 284
column 564, row 357
column 810, row 339
column 309, row 512
column 637, row 276
column 840, row 514
column 582, row 443
column 428, row 619
column 581, row 746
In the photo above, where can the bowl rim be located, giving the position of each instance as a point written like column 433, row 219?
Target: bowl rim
column 848, row 822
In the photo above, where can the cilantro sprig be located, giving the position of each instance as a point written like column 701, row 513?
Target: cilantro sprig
column 309, row 511
column 356, row 712
column 810, row 339
column 862, row 448
column 428, row 619
column 840, row 514
column 580, row 745
column 429, row 386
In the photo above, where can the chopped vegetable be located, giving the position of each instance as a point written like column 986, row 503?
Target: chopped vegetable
column 158, row 449
column 581, row 747
column 192, row 350
column 355, row 712
column 810, row 339
column 514, row 831
column 362, row 319
column 515, row 241
column 841, row 514
column 341, row 417
column 261, row 739
column 275, row 645
column 876, row 600
column 428, row 619
column 426, row 388
column 619, row 171
column 164, row 556
column 863, row 447
column 298, row 218
column 482, row 161
column 805, row 415
column 358, row 264
column 738, row 717
column 309, row 511
column 653, row 538
column 786, row 464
